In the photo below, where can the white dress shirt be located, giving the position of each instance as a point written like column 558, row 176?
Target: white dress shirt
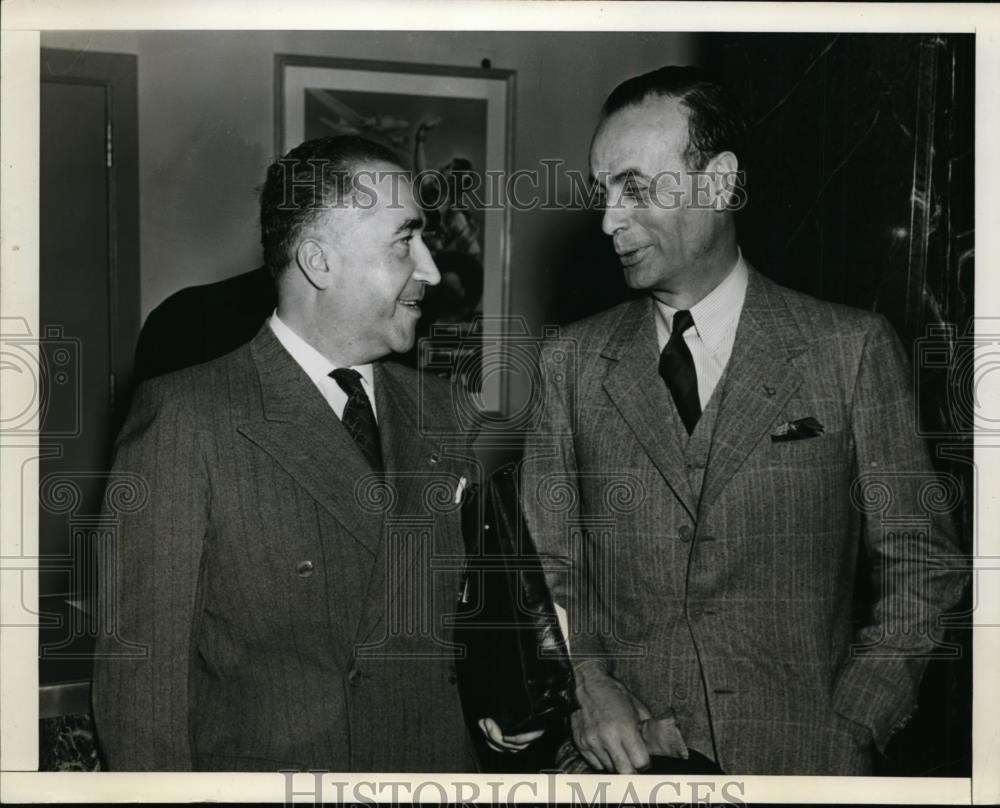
column 317, row 367
column 716, row 317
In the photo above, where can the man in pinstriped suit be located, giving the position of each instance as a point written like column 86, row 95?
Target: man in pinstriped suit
column 279, row 577
column 710, row 433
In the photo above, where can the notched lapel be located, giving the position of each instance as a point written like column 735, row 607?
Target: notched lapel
column 760, row 378
column 634, row 386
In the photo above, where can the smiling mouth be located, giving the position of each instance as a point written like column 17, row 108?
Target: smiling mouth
column 412, row 304
column 630, row 257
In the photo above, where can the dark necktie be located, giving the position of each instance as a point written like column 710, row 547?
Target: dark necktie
column 677, row 370
column 359, row 418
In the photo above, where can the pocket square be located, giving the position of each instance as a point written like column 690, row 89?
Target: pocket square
column 460, row 490
column 797, row 430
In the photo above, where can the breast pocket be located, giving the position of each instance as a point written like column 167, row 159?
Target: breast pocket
column 827, row 449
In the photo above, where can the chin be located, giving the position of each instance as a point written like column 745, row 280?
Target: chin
column 638, row 278
column 643, row 278
column 402, row 343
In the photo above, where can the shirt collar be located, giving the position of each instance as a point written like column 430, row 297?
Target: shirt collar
column 316, row 366
column 714, row 314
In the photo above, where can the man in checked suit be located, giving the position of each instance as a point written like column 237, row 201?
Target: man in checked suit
column 277, row 583
column 691, row 481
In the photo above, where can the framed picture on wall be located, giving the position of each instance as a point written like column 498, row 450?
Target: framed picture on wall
column 452, row 126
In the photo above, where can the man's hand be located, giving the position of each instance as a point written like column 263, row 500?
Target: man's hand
column 663, row 737
column 606, row 727
column 499, row 742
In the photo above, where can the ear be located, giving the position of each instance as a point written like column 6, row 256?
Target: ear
column 723, row 170
column 314, row 262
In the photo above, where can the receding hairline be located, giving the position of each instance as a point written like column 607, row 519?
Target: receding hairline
column 648, row 100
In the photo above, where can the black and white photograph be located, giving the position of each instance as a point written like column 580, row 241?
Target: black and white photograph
column 403, row 406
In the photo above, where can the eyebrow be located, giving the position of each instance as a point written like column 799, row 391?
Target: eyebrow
column 413, row 223
column 624, row 174
column 621, row 176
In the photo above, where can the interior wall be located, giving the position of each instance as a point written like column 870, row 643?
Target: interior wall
column 206, row 111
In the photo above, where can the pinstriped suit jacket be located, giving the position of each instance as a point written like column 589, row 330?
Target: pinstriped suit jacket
column 285, row 599
column 730, row 607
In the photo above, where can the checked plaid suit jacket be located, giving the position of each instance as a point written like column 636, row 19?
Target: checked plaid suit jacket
column 729, row 605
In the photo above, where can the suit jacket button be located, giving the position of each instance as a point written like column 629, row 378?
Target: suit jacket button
column 684, row 532
column 305, row 569
column 433, row 458
column 354, row 677
column 680, row 693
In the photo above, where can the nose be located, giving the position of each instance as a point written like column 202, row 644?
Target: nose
column 614, row 219
column 425, row 270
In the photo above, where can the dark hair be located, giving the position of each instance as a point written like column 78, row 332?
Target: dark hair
column 316, row 174
column 715, row 121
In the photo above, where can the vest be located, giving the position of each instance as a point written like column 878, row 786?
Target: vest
column 687, row 685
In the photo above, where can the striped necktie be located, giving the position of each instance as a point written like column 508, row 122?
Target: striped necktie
column 359, row 418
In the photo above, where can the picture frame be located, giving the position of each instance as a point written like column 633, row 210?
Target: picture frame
column 448, row 122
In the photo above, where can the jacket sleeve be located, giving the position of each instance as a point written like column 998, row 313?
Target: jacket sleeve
column 551, row 500
column 148, row 579
column 916, row 564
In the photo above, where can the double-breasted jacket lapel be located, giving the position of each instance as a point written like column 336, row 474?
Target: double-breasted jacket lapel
column 304, row 436
column 634, row 385
column 297, row 429
column 422, row 475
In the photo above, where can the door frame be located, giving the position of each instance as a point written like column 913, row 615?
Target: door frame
column 117, row 73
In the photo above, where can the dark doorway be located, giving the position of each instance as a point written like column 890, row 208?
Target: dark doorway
column 89, row 321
